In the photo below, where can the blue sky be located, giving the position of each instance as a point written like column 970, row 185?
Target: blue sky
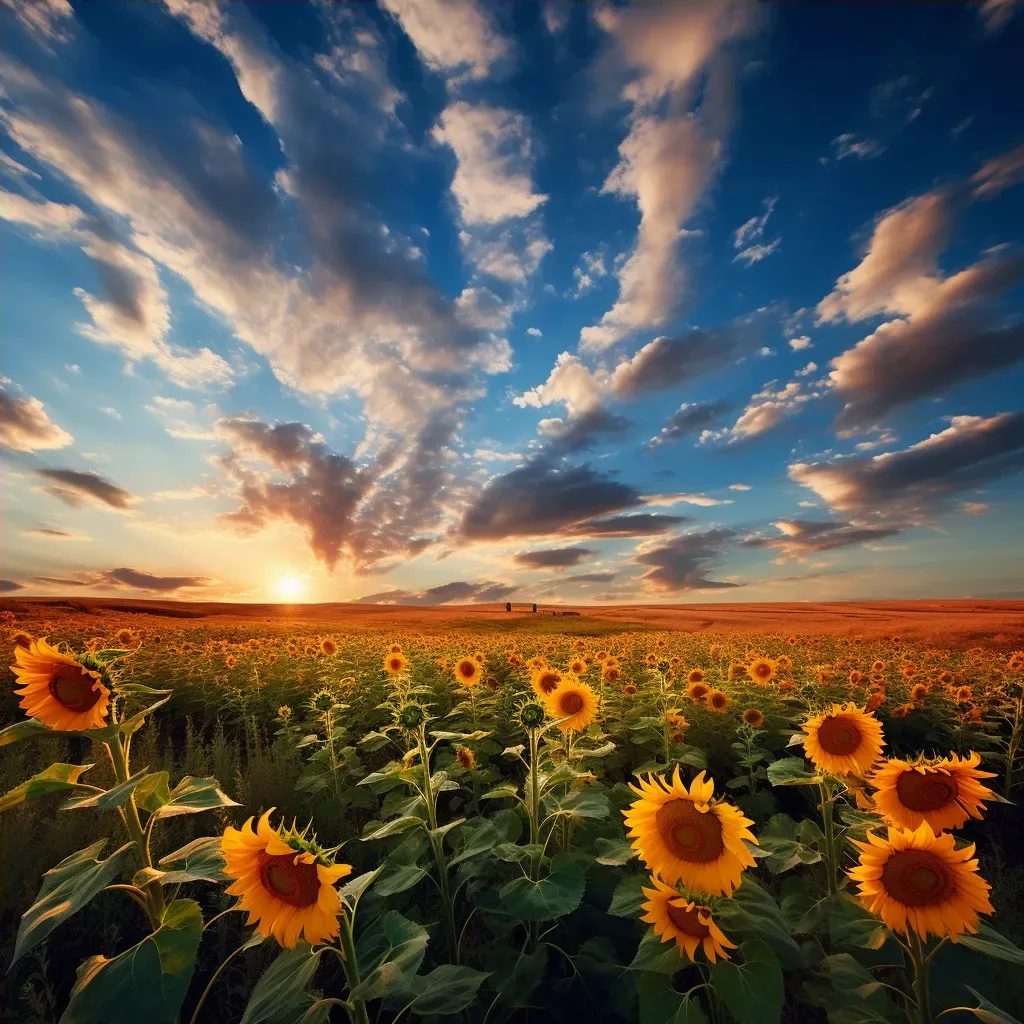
column 433, row 302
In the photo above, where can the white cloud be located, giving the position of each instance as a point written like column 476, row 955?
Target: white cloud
column 810, row 368
column 849, row 144
column 492, row 145
column 750, row 231
column 534, row 332
column 801, row 343
column 110, row 411
column 755, row 253
column 739, row 487
column 25, row 426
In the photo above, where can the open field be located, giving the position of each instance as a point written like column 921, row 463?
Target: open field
column 956, row 624
column 513, row 879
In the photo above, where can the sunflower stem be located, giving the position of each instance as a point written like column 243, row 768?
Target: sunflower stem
column 437, row 845
column 920, row 980
column 829, row 830
column 130, row 816
column 355, row 1008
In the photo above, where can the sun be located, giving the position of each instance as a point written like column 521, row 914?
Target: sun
column 289, row 588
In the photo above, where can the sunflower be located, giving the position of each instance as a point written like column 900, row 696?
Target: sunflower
column 611, row 673
column 753, row 717
column 695, row 675
column 682, row 836
column 917, row 881
column 695, row 691
column 59, row 691
column 230, row 661
column 125, row 637
column 328, row 646
column 918, row 692
column 395, row 664
column 395, row 649
column 545, row 681
column 737, row 670
column 573, row 698
column 465, row 758
column 283, row 882
column 22, row 639
column 943, row 792
column 688, row 924
column 717, row 700
column 577, row 666
column 761, row 670
column 843, row 740
column 468, row 671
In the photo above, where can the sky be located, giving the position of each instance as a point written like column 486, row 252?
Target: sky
column 436, row 302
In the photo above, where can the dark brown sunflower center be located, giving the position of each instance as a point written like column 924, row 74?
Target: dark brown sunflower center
column 549, row 681
column 296, row 884
column 72, row 687
column 688, row 834
column 572, row 704
column 719, row 700
column 927, row 791
column 839, row 736
column 762, row 670
column 467, row 669
column 917, row 878
column 688, row 921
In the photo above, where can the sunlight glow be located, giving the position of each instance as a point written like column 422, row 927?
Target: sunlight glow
column 289, row 588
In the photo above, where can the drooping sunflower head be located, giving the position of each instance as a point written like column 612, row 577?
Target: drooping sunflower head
column 58, row 690
column 574, row 699
column 395, row 664
column 545, row 681
column 468, row 671
column 684, row 836
column 917, row 881
column 844, row 740
column 284, row 881
column 944, row 792
column 761, row 670
column 125, row 637
column 689, row 925
column 466, row 758
column 22, row 639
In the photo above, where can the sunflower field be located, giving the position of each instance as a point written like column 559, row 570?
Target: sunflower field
column 533, row 820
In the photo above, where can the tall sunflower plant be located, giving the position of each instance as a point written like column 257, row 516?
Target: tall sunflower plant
column 91, row 696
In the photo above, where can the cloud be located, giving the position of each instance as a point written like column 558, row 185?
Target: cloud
column 739, row 487
column 73, row 487
column 765, row 410
column 582, row 432
column 589, row 271
column 492, row 146
column 947, row 329
column 848, row 144
column 755, row 253
column 689, row 418
column 25, row 427
column 803, row 537
column 999, row 173
column 592, row 577
column 683, row 562
column 916, row 482
column 702, row 500
column 9, row 586
column 801, row 343
column 136, row 580
column 640, row 524
column 541, row 498
column 551, row 558
column 753, row 229
column 996, row 13
column 456, row 39
column 669, row 157
column 48, row 533
column 461, row 591
column 534, row 332
column 46, row 20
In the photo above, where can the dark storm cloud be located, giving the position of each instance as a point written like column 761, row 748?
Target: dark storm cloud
column 916, row 482
column 542, row 499
column 137, row 580
column 9, row 586
column 683, row 562
column 552, row 558
column 73, row 487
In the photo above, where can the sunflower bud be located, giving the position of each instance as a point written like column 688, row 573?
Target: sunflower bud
column 531, row 716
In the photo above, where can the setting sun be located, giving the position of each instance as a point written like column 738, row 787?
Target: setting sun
column 289, row 588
